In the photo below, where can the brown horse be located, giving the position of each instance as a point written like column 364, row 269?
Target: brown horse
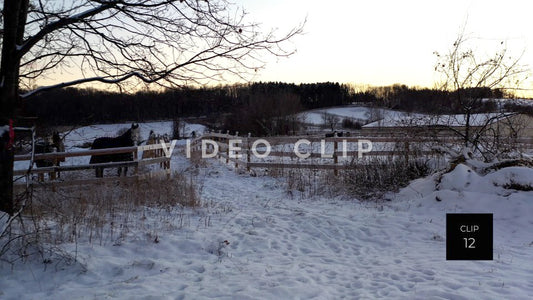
column 52, row 144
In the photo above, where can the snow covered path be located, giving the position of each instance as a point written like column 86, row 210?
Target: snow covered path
column 256, row 241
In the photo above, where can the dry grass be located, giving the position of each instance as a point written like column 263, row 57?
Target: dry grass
column 365, row 180
column 374, row 178
column 100, row 213
column 90, row 211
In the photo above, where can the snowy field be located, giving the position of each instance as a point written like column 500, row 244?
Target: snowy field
column 357, row 113
column 255, row 239
column 382, row 117
column 361, row 114
column 85, row 134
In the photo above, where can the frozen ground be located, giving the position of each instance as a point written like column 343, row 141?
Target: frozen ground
column 254, row 239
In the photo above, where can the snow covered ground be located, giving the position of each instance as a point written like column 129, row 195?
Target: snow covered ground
column 361, row 114
column 255, row 239
column 357, row 113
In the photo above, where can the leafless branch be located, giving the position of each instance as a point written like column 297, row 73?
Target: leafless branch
column 156, row 41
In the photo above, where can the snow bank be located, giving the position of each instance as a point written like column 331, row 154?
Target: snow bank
column 512, row 175
column 464, row 178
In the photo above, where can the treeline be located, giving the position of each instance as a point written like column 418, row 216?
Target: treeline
column 262, row 104
column 425, row 100
column 72, row 106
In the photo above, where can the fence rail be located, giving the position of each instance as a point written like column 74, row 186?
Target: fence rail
column 406, row 147
column 329, row 160
column 412, row 138
column 61, row 155
column 157, row 157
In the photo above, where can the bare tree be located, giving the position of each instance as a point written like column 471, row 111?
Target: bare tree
column 168, row 43
column 470, row 78
column 267, row 113
column 375, row 113
column 179, row 127
column 330, row 120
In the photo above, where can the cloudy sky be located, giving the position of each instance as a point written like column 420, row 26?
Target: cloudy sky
column 382, row 42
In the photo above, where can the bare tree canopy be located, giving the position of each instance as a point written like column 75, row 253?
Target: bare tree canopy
column 111, row 41
column 462, row 67
column 471, row 76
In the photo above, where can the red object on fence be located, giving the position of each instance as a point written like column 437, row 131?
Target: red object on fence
column 7, row 136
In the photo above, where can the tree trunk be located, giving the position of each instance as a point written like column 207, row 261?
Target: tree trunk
column 15, row 13
column 6, row 178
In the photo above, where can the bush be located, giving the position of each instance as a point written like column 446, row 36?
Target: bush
column 178, row 129
column 373, row 178
column 351, row 124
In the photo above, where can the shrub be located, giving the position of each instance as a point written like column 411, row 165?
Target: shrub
column 375, row 177
column 178, row 129
column 351, row 124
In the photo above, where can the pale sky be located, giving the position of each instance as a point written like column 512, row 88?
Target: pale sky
column 382, row 42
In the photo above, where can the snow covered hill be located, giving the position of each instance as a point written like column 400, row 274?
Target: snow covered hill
column 356, row 113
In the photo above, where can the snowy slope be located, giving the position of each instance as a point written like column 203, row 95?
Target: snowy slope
column 357, row 113
column 255, row 240
column 360, row 114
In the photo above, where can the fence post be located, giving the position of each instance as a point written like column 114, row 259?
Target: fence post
column 167, row 168
column 159, row 153
column 227, row 149
column 53, row 173
column 236, row 152
column 135, row 158
column 335, row 157
column 219, row 142
column 236, row 158
column 248, row 150
column 406, row 149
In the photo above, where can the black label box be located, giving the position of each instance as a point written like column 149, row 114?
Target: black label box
column 469, row 237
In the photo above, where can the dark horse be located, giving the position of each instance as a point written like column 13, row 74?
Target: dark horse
column 127, row 139
column 55, row 144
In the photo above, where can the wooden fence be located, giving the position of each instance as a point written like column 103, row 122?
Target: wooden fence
column 158, row 158
column 328, row 161
column 404, row 147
